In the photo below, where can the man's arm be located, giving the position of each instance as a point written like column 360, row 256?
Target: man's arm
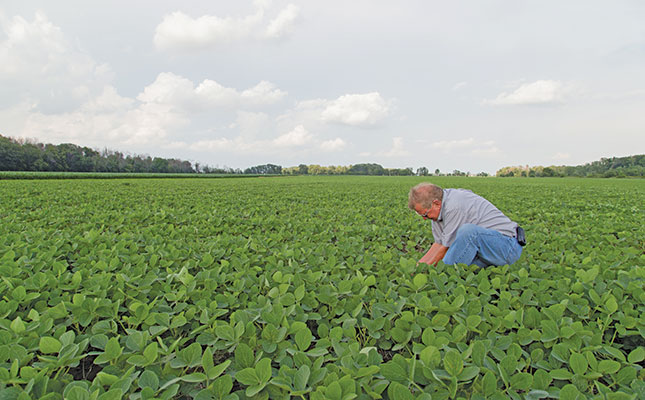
column 434, row 255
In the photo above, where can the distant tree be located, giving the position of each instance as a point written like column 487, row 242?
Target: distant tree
column 422, row 171
column 303, row 169
column 265, row 169
column 27, row 155
column 366, row 169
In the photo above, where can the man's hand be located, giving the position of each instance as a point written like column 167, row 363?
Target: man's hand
column 434, row 255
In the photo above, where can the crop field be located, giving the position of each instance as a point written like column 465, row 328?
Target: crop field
column 307, row 287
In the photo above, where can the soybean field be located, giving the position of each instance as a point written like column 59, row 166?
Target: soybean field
column 307, row 287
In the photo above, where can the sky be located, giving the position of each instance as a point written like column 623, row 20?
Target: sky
column 471, row 85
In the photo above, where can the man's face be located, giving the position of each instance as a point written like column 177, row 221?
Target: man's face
column 432, row 212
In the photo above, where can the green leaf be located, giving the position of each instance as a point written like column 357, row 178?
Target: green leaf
column 478, row 353
column 150, row 352
column 452, row 362
column 225, row 332
column 192, row 355
column 254, row 389
column 112, row 394
column 149, row 379
column 247, row 376
column 637, row 355
column 440, row 320
column 299, row 293
column 333, row 391
column 244, row 357
column 610, row 304
column 195, row 377
column 222, row 386
column 561, row 374
column 608, row 366
column 106, row 379
column 77, row 393
column 578, row 363
column 420, row 281
column 367, row 371
column 399, row 392
column 17, row 326
column 521, row 381
column 537, row 394
column 217, row 370
column 303, row 339
column 394, row 372
column 468, row 373
column 113, row 349
column 569, row 392
column 263, row 370
column 49, row 345
column 472, row 321
column 430, row 356
column 301, row 377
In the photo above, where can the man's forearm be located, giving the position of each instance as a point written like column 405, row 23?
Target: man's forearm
column 434, row 255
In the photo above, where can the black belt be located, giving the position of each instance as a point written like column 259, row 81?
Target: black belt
column 519, row 235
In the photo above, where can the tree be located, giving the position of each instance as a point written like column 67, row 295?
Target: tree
column 366, row 169
column 265, row 169
column 422, row 171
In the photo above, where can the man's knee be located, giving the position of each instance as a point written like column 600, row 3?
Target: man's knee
column 465, row 233
column 467, row 230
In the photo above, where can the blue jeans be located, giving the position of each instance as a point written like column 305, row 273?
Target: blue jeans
column 482, row 247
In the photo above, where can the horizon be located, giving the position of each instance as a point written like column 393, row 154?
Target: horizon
column 430, row 169
column 470, row 87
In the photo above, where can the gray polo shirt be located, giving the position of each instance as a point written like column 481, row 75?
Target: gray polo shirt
column 461, row 206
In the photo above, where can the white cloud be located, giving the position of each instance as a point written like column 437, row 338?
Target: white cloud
column 357, row 109
column 297, row 137
column 263, row 93
column 108, row 119
column 160, row 111
column 538, row 92
column 282, row 25
column 453, row 144
column 333, row 145
column 178, row 31
column 486, row 149
column 397, row 149
column 220, row 144
column 39, row 62
column 367, row 110
column 251, row 124
column 175, row 90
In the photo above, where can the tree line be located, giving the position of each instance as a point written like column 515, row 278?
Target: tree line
column 29, row 155
column 25, row 155
column 610, row 167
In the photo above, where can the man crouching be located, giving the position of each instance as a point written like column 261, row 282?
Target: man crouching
column 467, row 228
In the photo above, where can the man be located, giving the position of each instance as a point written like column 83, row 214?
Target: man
column 467, row 228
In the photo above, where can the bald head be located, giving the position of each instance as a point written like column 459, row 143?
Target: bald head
column 424, row 194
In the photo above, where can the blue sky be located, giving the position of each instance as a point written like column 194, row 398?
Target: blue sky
column 471, row 85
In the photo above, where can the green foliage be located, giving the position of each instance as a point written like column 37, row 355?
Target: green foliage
column 308, row 288
column 610, row 167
